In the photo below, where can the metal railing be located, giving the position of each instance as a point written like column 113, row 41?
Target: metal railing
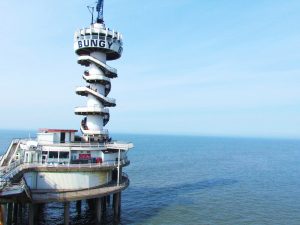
column 26, row 188
column 14, row 141
column 111, row 144
column 110, row 163
column 101, row 64
column 15, row 167
column 7, row 170
column 95, row 93
column 91, row 108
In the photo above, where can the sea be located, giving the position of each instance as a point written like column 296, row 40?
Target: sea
column 198, row 180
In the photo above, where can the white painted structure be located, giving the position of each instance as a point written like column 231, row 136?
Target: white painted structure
column 58, row 159
column 94, row 46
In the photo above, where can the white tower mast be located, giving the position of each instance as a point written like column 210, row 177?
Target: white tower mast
column 94, row 46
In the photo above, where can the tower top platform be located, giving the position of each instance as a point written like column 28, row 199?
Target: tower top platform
column 97, row 37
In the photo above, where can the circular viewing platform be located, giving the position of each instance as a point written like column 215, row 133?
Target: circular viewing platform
column 45, row 196
column 97, row 37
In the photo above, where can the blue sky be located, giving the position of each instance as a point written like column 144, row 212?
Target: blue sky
column 189, row 66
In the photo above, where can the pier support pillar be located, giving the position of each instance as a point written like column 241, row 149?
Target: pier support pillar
column 78, row 207
column 15, row 213
column 104, row 203
column 108, row 200
column 99, row 210
column 91, row 203
column 9, row 213
column 3, row 214
column 67, row 213
column 117, row 206
column 32, row 214
column 20, row 213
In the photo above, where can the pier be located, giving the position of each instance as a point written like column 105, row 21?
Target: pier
column 17, row 197
column 60, row 165
column 13, row 213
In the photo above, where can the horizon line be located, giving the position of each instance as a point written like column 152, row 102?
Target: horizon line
column 203, row 135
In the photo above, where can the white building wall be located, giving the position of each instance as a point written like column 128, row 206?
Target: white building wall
column 67, row 137
column 46, row 138
column 71, row 181
column 56, row 137
column 72, row 137
column 100, row 56
column 94, row 122
column 93, row 101
column 31, row 179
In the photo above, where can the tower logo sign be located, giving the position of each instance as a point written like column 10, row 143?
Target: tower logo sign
column 99, row 43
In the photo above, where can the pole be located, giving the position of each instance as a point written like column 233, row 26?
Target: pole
column 117, row 206
column 67, row 213
column 98, row 210
column 9, row 213
column 78, row 207
column 31, row 215
column 3, row 215
column 15, row 213
column 119, row 156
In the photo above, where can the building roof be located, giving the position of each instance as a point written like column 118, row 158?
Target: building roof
column 46, row 130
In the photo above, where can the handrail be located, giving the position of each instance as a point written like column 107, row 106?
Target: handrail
column 85, row 130
column 90, row 144
column 89, row 76
column 99, row 63
column 92, row 108
column 13, row 141
column 97, row 94
column 9, row 172
column 26, row 188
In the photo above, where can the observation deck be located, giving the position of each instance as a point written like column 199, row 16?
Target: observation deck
column 96, row 36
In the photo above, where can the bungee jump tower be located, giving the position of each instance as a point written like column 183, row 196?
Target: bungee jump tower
column 61, row 166
column 94, row 46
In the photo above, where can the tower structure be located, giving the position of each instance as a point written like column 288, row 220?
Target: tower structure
column 58, row 165
column 95, row 45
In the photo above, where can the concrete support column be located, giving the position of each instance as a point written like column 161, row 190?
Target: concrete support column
column 108, row 200
column 78, row 207
column 3, row 214
column 67, row 213
column 32, row 214
column 20, row 213
column 117, row 206
column 99, row 210
column 15, row 213
column 91, row 203
column 120, row 177
column 9, row 213
column 104, row 203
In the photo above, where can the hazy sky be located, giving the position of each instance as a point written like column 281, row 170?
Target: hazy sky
column 214, row 67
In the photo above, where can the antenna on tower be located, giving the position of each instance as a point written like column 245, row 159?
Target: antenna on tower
column 91, row 9
column 99, row 9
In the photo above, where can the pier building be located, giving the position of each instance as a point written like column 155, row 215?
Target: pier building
column 61, row 166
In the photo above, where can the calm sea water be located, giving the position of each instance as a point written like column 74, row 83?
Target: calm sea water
column 201, row 180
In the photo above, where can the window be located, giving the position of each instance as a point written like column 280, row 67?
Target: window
column 53, row 155
column 63, row 155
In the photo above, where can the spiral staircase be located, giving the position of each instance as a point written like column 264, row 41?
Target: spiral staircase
column 97, row 76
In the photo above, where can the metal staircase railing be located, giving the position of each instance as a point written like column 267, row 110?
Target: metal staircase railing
column 26, row 188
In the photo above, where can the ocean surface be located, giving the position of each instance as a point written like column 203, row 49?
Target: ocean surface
column 200, row 180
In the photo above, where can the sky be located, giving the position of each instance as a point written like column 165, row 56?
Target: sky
column 191, row 67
